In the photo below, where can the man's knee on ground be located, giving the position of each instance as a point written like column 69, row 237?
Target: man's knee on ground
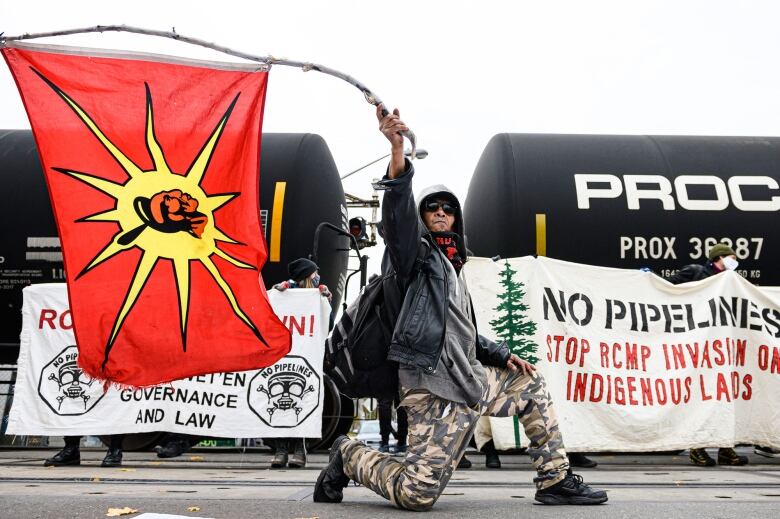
column 416, row 501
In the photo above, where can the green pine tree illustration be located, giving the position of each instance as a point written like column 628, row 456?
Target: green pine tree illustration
column 512, row 325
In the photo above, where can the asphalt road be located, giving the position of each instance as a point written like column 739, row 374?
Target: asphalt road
column 236, row 485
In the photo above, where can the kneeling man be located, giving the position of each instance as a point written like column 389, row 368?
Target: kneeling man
column 448, row 375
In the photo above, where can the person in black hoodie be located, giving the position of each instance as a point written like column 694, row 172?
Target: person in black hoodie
column 448, row 374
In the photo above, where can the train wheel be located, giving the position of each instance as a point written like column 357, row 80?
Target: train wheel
column 337, row 415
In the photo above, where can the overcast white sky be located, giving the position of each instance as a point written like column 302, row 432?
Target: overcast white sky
column 463, row 71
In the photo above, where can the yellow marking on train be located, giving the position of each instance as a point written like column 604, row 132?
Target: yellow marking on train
column 276, row 222
column 541, row 234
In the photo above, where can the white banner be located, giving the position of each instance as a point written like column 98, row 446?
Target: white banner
column 54, row 397
column 634, row 363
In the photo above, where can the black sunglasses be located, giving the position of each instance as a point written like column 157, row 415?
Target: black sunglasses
column 433, row 206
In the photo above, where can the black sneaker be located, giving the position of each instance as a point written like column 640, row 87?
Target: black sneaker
column 700, row 458
column 113, row 458
column 464, row 463
column 729, row 456
column 400, row 449
column 69, row 455
column 578, row 459
column 571, row 491
column 332, row 481
column 767, row 452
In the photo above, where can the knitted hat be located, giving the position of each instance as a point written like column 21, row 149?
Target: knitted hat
column 301, row 268
column 720, row 249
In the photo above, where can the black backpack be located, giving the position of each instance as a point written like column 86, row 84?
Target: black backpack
column 356, row 352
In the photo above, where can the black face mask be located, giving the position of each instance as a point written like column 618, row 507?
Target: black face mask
column 448, row 243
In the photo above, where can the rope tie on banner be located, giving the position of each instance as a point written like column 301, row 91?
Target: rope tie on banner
column 269, row 60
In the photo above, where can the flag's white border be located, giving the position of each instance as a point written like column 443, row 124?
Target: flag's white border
column 137, row 56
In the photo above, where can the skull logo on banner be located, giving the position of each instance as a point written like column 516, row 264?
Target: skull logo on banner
column 64, row 386
column 285, row 394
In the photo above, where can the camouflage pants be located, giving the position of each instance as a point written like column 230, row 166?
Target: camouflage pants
column 439, row 431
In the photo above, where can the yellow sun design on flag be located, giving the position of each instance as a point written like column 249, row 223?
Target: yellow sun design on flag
column 165, row 214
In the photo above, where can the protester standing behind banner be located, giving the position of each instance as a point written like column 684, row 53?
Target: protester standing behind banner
column 720, row 258
column 304, row 273
column 385, row 411
column 53, row 397
column 71, row 453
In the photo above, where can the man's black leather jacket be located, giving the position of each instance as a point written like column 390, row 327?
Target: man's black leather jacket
column 420, row 283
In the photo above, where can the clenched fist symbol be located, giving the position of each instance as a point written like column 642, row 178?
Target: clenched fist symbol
column 178, row 210
column 168, row 212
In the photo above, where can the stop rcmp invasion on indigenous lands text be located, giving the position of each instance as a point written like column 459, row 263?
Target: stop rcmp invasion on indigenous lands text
column 734, row 312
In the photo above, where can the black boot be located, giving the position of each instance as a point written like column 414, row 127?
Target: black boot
column 464, row 463
column 114, row 455
column 113, row 458
column 176, row 446
column 571, row 491
column 728, row 456
column 701, row 458
column 279, row 461
column 298, row 458
column 332, row 481
column 578, row 459
column 69, row 455
column 492, row 461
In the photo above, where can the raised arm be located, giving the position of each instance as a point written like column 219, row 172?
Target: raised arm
column 400, row 222
column 391, row 127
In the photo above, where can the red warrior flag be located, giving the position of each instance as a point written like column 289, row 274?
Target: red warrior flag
column 152, row 166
